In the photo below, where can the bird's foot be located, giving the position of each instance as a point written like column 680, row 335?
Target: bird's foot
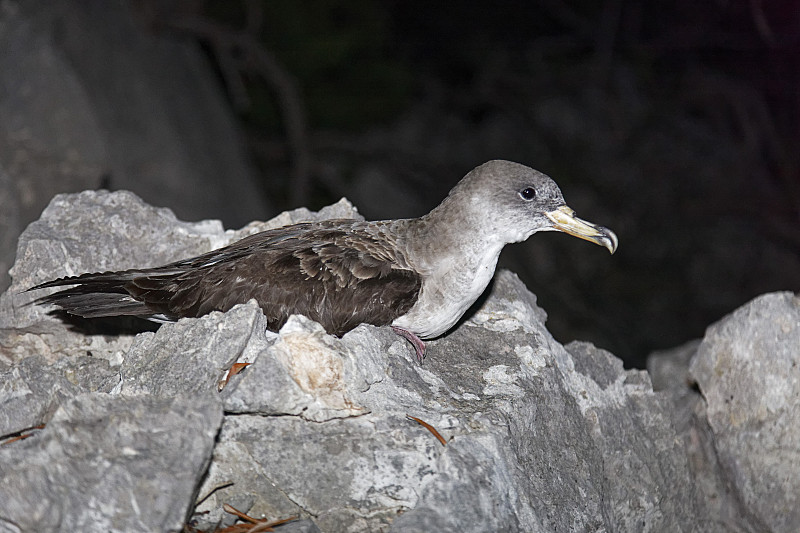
column 416, row 342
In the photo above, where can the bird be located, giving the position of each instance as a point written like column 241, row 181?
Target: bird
column 417, row 275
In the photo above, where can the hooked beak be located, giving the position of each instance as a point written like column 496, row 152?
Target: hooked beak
column 564, row 219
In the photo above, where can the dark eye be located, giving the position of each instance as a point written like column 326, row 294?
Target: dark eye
column 528, row 193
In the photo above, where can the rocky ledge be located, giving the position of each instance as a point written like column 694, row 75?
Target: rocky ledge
column 128, row 428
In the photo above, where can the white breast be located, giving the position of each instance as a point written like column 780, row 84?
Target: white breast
column 448, row 291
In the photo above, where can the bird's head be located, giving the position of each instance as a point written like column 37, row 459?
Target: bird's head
column 517, row 201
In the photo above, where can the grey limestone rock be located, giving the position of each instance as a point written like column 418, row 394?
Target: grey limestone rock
column 190, row 356
column 748, row 370
column 113, row 231
column 109, row 463
column 533, row 445
column 32, row 390
column 539, row 436
column 669, row 369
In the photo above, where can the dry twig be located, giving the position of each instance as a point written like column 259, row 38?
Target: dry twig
column 21, row 435
column 232, row 371
column 429, row 428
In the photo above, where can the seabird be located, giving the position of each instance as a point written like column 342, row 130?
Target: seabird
column 417, row 275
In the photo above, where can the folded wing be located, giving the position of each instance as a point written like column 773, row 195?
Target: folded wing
column 334, row 272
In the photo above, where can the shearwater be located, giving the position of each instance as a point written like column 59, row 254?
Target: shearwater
column 417, row 275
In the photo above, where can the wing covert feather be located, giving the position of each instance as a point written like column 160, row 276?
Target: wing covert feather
column 338, row 276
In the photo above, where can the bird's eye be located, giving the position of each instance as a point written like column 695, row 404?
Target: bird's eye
column 528, row 193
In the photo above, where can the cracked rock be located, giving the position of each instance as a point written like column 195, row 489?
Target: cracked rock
column 109, row 463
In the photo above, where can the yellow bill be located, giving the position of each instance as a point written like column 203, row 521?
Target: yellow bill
column 564, row 219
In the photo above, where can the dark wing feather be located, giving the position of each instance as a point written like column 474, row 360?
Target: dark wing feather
column 335, row 272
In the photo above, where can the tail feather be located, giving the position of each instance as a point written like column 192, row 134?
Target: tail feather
column 95, row 305
column 103, row 281
column 97, row 295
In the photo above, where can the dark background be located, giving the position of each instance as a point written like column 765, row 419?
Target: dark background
column 676, row 124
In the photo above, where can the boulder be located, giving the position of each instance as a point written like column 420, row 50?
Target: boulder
column 502, row 429
column 748, row 370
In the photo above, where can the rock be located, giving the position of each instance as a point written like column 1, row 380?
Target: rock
column 503, row 393
column 537, row 436
column 109, row 463
column 113, row 231
column 32, row 390
column 669, row 369
column 748, row 370
column 620, row 407
column 190, row 357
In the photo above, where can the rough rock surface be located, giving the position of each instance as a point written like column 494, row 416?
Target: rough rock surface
column 109, row 463
column 539, row 436
column 748, row 369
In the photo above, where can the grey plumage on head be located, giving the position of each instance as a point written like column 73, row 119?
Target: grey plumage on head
column 490, row 199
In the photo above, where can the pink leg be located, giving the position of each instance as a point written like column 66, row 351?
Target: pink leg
column 415, row 341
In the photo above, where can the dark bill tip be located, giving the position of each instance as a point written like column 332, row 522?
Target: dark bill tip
column 564, row 219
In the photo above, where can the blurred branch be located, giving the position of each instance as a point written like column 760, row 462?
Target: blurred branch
column 761, row 23
column 238, row 52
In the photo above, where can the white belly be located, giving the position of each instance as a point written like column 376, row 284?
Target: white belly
column 447, row 294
